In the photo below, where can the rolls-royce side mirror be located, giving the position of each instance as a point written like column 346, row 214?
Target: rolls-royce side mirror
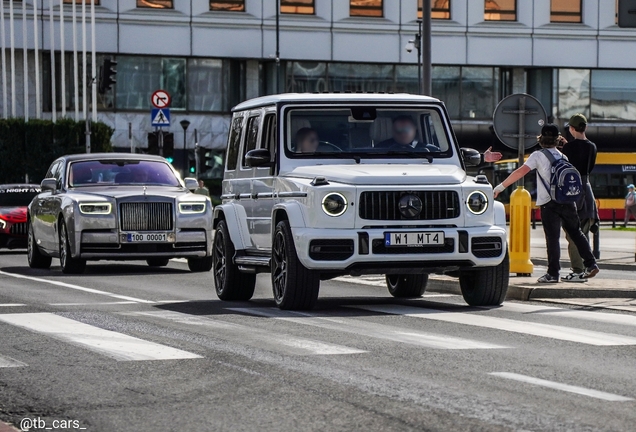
column 471, row 156
column 191, row 183
column 258, row 158
column 49, row 184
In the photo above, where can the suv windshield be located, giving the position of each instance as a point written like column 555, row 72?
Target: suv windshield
column 121, row 172
column 366, row 131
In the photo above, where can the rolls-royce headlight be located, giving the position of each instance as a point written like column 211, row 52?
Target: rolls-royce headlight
column 334, row 204
column 477, row 202
column 189, row 208
column 95, row 208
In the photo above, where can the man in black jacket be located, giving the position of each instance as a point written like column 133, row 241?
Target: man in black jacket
column 581, row 153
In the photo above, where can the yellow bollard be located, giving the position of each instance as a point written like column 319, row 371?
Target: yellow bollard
column 519, row 242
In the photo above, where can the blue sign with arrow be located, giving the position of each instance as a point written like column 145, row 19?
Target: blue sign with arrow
column 160, row 116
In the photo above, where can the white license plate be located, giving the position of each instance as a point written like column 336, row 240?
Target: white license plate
column 147, row 238
column 435, row 238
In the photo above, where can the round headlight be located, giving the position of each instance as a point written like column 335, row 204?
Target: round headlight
column 477, row 202
column 334, row 204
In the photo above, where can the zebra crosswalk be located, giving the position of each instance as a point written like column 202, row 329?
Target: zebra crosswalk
column 341, row 332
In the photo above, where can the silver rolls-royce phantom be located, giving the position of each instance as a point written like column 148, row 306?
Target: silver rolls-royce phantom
column 118, row 207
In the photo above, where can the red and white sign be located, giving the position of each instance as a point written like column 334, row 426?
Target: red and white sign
column 160, row 99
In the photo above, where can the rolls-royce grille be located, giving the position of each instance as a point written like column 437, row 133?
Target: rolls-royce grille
column 146, row 216
column 385, row 205
column 19, row 228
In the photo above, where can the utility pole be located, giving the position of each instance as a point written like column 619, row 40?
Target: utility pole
column 426, row 48
column 277, row 46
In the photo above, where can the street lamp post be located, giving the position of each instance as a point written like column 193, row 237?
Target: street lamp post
column 184, row 124
column 425, row 31
column 417, row 44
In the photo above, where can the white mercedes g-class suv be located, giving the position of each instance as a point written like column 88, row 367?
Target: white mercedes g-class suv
column 323, row 185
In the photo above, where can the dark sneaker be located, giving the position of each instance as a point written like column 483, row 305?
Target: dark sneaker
column 574, row 277
column 591, row 271
column 546, row 278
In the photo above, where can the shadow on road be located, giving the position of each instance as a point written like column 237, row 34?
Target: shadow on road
column 110, row 270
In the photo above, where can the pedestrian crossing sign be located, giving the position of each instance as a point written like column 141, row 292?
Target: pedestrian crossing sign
column 160, row 116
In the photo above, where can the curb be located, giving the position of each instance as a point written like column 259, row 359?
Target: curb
column 527, row 293
column 601, row 264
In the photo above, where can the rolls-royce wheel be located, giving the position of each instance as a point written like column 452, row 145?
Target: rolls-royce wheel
column 200, row 264
column 229, row 281
column 37, row 259
column 157, row 262
column 406, row 285
column 295, row 287
column 69, row 264
column 486, row 286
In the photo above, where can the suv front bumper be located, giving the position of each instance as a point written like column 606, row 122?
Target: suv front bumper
column 363, row 251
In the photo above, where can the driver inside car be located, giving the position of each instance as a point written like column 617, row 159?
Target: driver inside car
column 307, row 140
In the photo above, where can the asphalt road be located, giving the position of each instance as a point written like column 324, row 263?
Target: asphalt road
column 128, row 348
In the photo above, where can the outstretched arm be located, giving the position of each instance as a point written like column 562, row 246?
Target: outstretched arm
column 490, row 156
column 513, row 177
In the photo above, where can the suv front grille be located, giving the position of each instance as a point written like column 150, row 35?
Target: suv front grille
column 384, row 205
column 146, row 216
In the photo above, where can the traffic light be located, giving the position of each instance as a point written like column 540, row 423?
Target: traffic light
column 168, row 146
column 107, row 74
column 153, row 143
column 192, row 163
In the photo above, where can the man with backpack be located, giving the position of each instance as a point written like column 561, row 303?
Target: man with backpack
column 581, row 152
column 559, row 185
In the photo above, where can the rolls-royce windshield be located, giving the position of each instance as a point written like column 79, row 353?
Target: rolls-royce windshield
column 367, row 132
column 121, row 172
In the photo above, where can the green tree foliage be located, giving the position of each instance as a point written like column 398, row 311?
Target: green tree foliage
column 30, row 147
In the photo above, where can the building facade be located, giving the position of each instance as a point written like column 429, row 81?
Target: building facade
column 210, row 55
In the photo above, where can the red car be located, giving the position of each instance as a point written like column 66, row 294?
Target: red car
column 14, row 199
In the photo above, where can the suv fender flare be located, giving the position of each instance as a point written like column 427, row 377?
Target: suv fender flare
column 236, row 220
column 500, row 214
column 293, row 212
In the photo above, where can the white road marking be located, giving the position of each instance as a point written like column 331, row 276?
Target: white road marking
column 372, row 330
column 563, row 387
column 94, row 304
column 524, row 327
column 610, row 318
column 7, row 362
column 75, row 287
column 253, row 336
column 11, row 304
column 119, row 346
column 360, row 281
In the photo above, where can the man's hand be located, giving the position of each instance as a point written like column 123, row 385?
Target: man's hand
column 490, row 156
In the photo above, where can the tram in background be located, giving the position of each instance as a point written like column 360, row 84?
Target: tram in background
column 609, row 179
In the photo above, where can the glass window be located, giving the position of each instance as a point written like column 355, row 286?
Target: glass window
column 80, row 1
column 306, row 77
column 479, row 88
column 268, row 139
column 206, row 90
column 366, row 131
column 155, row 4
column 228, row 5
column 361, row 77
column 138, row 77
column 406, row 79
column 440, row 9
column 574, row 92
column 366, row 8
column 18, row 196
column 446, row 87
column 565, row 11
column 500, row 10
column 251, row 137
column 304, row 7
column 614, row 94
column 234, row 142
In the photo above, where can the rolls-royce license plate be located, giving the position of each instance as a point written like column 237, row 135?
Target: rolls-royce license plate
column 434, row 238
column 147, row 238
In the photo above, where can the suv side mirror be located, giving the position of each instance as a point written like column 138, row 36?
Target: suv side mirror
column 191, row 183
column 471, row 156
column 49, row 184
column 258, row 158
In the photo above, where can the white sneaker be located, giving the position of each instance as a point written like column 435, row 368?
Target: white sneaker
column 574, row 277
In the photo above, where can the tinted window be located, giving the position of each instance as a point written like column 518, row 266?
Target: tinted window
column 105, row 172
column 252, row 135
column 234, row 142
column 268, row 140
column 17, row 197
